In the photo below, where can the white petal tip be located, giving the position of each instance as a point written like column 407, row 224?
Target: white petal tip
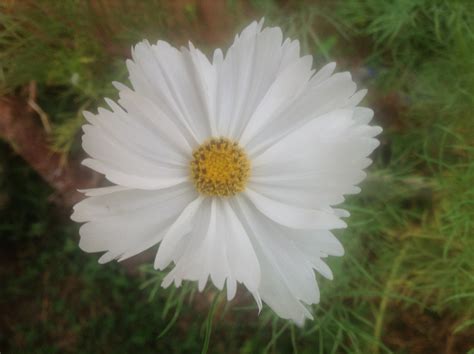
column 377, row 130
column 106, row 257
column 202, row 284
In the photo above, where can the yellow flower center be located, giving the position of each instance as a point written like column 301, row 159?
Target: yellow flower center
column 220, row 167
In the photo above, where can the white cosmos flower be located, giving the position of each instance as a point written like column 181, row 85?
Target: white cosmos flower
column 232, row 165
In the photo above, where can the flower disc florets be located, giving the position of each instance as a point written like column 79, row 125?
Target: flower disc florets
column 220, row 167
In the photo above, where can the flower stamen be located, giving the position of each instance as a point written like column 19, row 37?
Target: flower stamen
column 220, row 167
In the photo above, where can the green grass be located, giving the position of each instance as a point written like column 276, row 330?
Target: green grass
column 406, row 283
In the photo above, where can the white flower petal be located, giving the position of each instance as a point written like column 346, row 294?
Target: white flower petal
column 363, row 115
column 219, row 248
column 294, row 217
column 317, row 243
column 231, row 286
column 128, row 154
column 288, row 85
column 165, row 132
column 104, row 146
column 319, row 99
column 250, row 67
column 190, row 252
column 168, row 77
column 126, row 222
column 287, row 276
column 94, row 192
column 342, row 213
column 243, row 262
column 243, row 72
column 290, row 53
column 132, row 180
column 211, row 256
column 355, row 99
column 314, row 166
column 206, row 81
column 128, row 131
column 181, row 227
column 323, row 74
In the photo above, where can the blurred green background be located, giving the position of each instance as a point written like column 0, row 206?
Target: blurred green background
column 406, row 283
